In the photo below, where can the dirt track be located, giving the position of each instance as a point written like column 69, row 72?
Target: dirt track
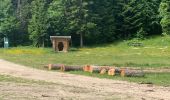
column 80, row 87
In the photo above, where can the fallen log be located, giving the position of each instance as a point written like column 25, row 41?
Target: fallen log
column 90, row 68
column 71, row 68
column 53, row 66
column 132, row 73
column 107, row 68
column 87, row 68
column 110, row 70
column 100, row 69
column 97, row 69
column 103, row 71
column 117, row 71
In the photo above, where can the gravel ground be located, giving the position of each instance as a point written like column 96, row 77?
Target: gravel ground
column 73, row 87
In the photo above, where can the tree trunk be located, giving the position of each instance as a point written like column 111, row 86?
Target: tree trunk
column 43, row 42
column 63, row 67
column 89, row 68
column 71, row 68
column 19, row 9
column 81, row 40
column 111, row 71
column 98, row 69
column 103, row 71
column 54, row 66
column 132, row 73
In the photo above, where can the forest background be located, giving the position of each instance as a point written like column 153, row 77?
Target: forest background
column 32, row 22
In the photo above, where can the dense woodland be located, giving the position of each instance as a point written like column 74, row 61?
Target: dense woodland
column 32, row 22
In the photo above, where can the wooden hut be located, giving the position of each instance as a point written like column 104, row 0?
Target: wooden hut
column 60, row 43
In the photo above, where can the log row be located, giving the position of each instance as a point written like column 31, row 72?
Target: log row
column 132, row 73
column 98, row 69
column 63, row 67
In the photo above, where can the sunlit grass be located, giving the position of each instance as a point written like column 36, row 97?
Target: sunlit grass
column 150, row 78
column 155, row 52
column 7, row 78
column 20, row 51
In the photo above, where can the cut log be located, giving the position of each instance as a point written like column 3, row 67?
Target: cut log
column 98, row 69
column 111, row 72
column 87, row 68
column 132, row 73
column 103, row 71
column 117, row 71
column 71, row 68
column 53, row 66
column 90, row 68
column 107, row 68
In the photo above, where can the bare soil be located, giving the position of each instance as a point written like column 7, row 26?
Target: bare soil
column 73, row 87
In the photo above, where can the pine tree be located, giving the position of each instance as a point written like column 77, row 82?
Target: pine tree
column 119, row 17
column 92, row 21
column 77, row 12
column 101, row 12
column 38, row 24
column 22, row 13
column 165, row 14
column 140, row 14
column 57, row 17
column 8, row 22
column 70, row 17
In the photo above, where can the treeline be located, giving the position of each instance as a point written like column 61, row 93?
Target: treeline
column 27, row 22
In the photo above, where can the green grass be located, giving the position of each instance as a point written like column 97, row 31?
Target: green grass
column 155, row 53
column 162, row 79
column 7, row 78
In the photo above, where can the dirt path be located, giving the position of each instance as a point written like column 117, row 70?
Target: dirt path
column 88, row 87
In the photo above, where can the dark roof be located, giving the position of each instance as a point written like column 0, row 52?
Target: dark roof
column 60, row 37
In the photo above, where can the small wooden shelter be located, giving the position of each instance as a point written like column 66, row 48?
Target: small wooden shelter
column 60, row 43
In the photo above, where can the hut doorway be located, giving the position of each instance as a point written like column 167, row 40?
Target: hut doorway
column 60, row 46
column 60, row 43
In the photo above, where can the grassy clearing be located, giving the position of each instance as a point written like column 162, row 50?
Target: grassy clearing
column 162, row 79
column 7, row 78
column 155, row 53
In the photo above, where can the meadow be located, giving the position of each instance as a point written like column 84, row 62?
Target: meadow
column 162, row 79
column 154, row 53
